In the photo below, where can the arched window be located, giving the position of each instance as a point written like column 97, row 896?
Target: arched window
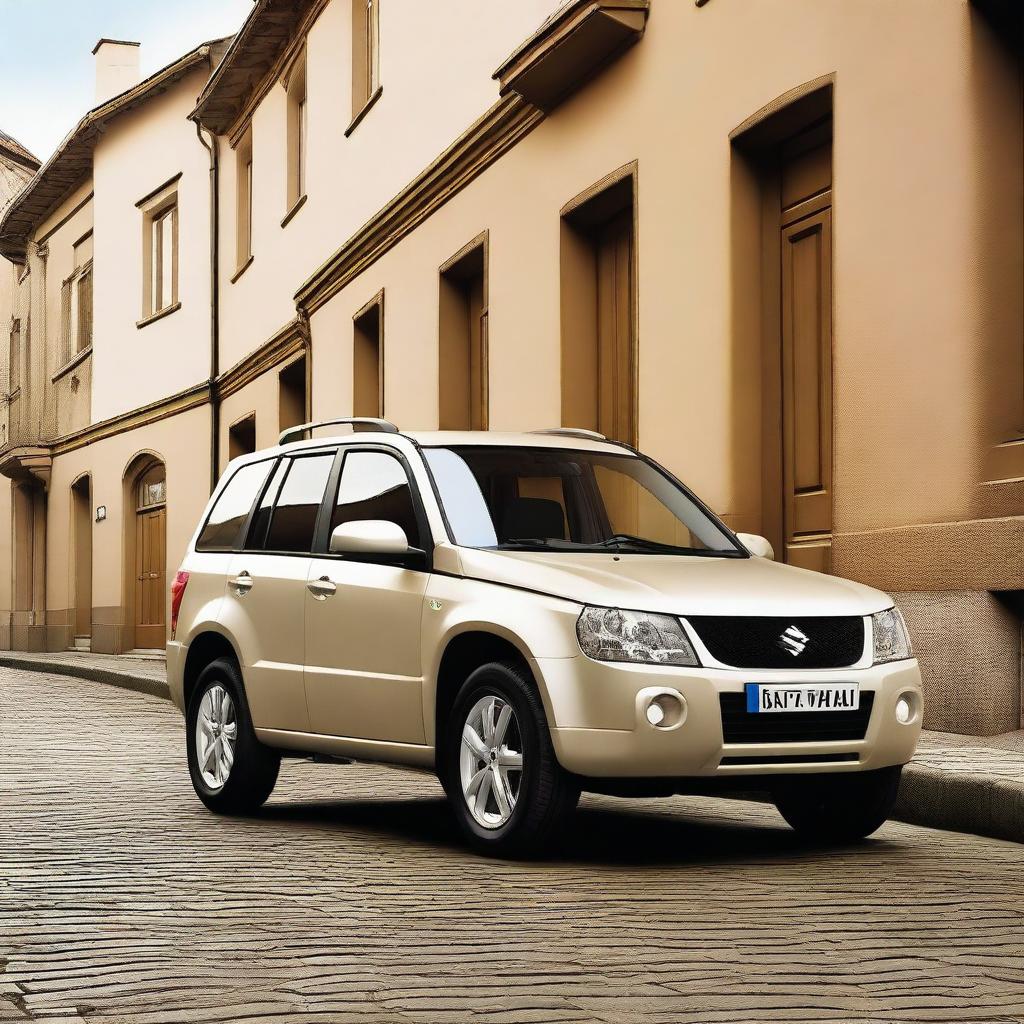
column 152, row 487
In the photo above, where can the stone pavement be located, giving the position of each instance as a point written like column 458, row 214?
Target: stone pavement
column 351, row 898
column 969, row 784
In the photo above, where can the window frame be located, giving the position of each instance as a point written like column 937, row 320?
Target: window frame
column 365, row 59
column 296, row 135
column 243, row 202
column 243, row 533
column 159, row 207
column 628, row 449
column 417, row 562
column 291, row 457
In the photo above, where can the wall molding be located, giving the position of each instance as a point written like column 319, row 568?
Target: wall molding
column 173, row 405
column 291, row 340
column 484, row 142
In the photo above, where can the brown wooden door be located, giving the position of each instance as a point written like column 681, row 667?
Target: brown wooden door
column 806, row 336
column 150, row 560
column 616, row 360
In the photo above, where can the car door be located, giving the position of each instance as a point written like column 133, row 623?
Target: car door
column 266, row 593
column 364, row 677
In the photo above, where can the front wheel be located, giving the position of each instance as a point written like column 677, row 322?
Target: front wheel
column 509, row 793
column 232, row 772
column 839, row 808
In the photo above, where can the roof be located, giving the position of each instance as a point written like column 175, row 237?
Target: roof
column 11, row 148
column 254, row 50
column 72, row 161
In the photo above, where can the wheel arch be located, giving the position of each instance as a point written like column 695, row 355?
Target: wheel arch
column 206, row 647
column 464, row 651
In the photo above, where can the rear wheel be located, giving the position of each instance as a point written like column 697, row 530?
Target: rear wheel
column 232, row 772
column 511, row 797
column 839, row 808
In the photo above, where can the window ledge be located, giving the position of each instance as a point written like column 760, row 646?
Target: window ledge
column 296, row 206
column 241, row 270
column 153, row 317
column 364, row 111
column 76, row 360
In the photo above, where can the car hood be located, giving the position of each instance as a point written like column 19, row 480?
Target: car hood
column 677, row 584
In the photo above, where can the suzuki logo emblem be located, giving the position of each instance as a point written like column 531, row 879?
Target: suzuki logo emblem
column 794, row 641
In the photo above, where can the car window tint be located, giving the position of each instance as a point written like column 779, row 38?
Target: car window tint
column 374, row 486
column 230, row 511
column 261, row 517
column 294, row 516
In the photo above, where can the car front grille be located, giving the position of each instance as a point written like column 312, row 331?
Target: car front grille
column 742, row 726
column 776, row 642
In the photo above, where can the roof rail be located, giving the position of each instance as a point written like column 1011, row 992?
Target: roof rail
column 357, row 423
column 592, row 435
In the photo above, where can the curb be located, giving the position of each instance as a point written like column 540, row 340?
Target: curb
column 976, row 804
column 982, row 805
column 112, row 677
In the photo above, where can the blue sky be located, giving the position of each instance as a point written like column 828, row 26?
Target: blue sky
column 46, row 74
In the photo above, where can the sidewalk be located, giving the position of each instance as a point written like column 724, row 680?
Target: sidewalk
column 963, row 783
column 138, row 674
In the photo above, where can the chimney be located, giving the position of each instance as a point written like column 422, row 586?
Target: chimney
column 117, row 67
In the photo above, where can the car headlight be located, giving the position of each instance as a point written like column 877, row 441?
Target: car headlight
column 611, row 634
column 890, row 639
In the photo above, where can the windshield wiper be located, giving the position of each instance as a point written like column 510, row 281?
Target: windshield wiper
column 619, row 539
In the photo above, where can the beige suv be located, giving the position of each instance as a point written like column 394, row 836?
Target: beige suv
column 528, row 615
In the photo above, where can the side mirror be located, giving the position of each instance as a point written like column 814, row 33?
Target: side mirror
column 378, row 537
column 757, row 545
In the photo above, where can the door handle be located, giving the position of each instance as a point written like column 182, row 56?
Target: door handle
column 322, row 588
column 242, row 583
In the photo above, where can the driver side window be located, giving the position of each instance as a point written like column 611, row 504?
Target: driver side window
column 374, row 485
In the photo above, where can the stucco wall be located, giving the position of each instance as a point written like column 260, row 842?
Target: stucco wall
column 139, row 152
column 436, row 63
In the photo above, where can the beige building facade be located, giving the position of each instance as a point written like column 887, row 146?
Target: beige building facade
column 779, row 246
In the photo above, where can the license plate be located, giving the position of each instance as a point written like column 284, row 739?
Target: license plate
column 765, row 698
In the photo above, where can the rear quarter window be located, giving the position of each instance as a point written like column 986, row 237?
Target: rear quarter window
column 226, row 520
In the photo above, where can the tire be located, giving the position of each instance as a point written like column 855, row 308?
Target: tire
column 227, row 786
column 540, row 794
column 839, row 808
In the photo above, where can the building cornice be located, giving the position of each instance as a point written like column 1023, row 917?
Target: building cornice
column 579, row 39
column 289, row 341
column 500, row 128
column 262, row 49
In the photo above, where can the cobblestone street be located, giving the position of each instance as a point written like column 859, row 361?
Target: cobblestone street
column 123, row 901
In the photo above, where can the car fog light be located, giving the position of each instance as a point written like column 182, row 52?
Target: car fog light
column 664, row 709
column 655, row 713
column 904, row 710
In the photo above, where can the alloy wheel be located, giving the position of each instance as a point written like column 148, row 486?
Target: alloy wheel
column 216, row 736
column 491, row 761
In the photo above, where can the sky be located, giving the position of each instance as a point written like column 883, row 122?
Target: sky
column 47, row 76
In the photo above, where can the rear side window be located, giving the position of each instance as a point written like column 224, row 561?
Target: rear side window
column 374, row 486
column 230, row 511
column 294, row 517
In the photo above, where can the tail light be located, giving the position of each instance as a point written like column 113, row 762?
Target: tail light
column 177, row 593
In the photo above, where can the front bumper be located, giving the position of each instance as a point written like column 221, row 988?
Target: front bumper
column 599, row 727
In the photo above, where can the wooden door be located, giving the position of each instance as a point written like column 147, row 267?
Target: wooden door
column 150, row 560
column 806, row 334
column 616, row 358
column 82, row 512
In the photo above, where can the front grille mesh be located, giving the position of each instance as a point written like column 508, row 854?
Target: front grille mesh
column 742, row 726
column 746, row 641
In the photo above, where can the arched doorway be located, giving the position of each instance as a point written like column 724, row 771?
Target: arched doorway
column 81, row 562
column 146, row 551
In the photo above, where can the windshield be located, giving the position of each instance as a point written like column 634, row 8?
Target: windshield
column 551, row 499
